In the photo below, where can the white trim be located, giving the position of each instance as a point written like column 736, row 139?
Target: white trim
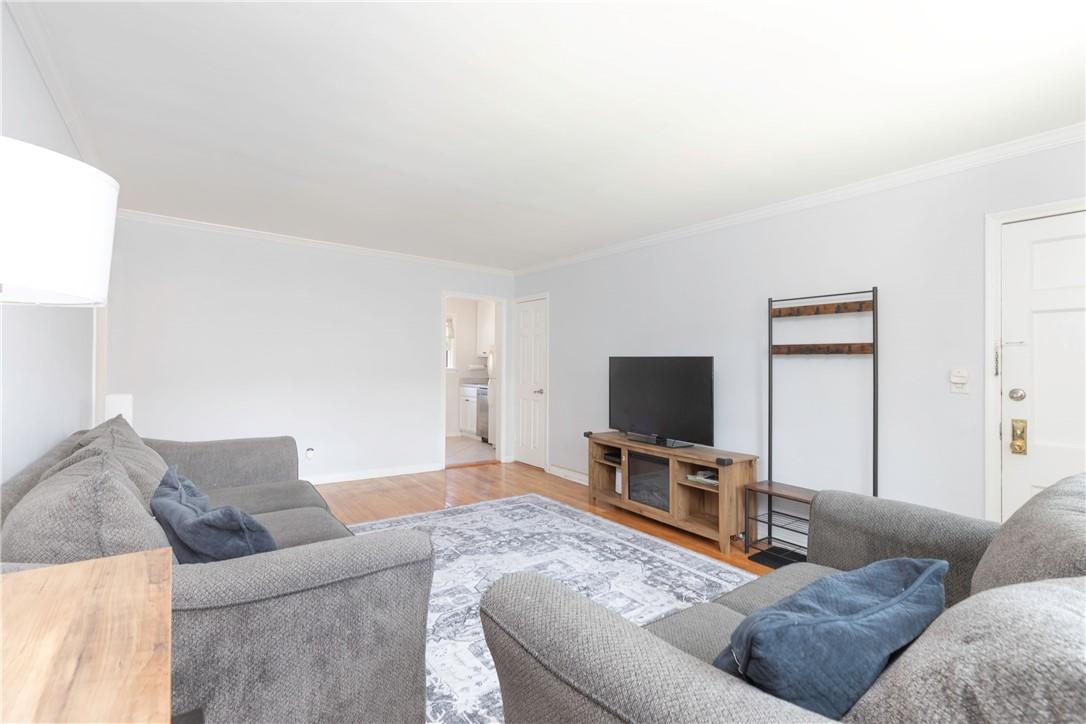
column 982, row 157
column 38, row 41
column 573, row 475
column 370, row 473
column 537, row 297
column 133, row 215
column 993, row 235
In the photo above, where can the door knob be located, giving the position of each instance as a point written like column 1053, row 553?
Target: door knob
column 1017, row 394
column 538, row 392
column 1018, row 437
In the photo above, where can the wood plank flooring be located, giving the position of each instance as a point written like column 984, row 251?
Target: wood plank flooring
column 467, row 451
column 364, row 500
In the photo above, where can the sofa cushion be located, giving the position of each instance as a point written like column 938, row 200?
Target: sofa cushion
column 1010, row 654
column 772, row 587
column 822, row 647
column 21, row 483
column 200, row 534
column 144, row 466
column 299, row 526
column 1045, row 538
column 89, row 509
column 701, row 630
column 268, row 497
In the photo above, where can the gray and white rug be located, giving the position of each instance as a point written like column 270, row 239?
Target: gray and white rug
column 635, row 575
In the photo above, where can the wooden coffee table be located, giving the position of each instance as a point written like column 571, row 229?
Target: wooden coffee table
column 88, row 641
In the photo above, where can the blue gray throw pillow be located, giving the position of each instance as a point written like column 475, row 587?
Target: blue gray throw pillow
column 200, row 534
column 822, row 647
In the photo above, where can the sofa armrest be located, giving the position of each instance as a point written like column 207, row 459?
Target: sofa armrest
column 561, row 657
column 331, row 631
column 849, row 531
column 226, row 463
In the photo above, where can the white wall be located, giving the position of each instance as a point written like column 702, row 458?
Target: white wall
column 465, row 314
column 45, row 352
column 223, row 333
column 922, row 244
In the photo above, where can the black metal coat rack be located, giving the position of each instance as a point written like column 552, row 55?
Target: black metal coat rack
column 856, row 302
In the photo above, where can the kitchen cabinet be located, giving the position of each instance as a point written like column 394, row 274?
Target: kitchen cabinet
column 484, row 327
column 468, row 410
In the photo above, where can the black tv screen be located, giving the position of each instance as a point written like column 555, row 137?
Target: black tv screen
column 671, row 397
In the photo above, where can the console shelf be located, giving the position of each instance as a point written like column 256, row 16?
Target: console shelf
column 710, row 511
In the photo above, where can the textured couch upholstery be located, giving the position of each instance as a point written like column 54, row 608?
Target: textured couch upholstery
column 1008, row 648
column 330, row 627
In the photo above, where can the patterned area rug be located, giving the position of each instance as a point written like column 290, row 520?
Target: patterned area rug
column 635, row 575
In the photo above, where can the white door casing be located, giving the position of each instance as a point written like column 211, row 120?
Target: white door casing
column 1042, row 356
column 532, row 358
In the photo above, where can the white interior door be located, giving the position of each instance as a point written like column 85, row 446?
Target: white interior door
column 1043, row 375
column 532, row 356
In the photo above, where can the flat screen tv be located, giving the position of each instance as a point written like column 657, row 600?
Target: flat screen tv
column 665, row 398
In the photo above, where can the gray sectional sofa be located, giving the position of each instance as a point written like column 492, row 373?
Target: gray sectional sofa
column 330, row 627
column 1009, row 648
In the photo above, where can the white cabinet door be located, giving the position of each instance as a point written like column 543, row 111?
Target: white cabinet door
column 467, row 414
column 484, row 327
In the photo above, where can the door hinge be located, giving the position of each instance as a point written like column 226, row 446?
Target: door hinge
column 996, row 356
column 1001, row 430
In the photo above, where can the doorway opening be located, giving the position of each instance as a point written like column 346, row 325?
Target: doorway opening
column 474, row 334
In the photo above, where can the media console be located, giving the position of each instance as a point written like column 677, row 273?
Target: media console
column 653, row 481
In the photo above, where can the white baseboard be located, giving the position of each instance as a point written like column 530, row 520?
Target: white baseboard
column 375, row 473
column 568, row 474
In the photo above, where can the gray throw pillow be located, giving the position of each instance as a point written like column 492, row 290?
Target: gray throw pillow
column 824, row 645
column 1045, row 538
column 144, row 466
column 88, row 509
column 1011, row 654
column 25, row 480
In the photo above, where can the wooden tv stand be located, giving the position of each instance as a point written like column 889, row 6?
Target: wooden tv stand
column 714, row 512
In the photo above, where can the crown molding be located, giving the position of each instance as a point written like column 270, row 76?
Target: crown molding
column 145, row 216
column 38, row 41
column 982, row 157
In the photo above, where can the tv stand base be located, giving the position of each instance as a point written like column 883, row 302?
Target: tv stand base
column 704, row 507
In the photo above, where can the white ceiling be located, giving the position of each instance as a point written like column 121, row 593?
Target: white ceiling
column 511, row 135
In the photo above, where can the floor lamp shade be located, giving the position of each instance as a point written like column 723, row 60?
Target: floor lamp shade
column 56, row 227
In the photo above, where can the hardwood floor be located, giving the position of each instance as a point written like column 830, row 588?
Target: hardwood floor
column 363, row 500
column 467, row 451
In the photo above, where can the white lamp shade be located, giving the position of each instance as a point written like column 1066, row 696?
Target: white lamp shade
column 119, row 404
column 56, row 227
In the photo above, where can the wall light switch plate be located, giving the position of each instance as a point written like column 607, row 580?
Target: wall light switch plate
column 959, row 381
column 309, row 453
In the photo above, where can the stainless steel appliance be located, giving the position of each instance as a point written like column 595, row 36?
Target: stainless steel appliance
column 482, row 413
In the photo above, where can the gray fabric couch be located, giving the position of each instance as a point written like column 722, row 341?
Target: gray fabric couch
column 330, row 627
column 1009, row 648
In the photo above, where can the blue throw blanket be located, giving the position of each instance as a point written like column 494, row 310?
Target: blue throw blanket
column 200, row 534
column 823, row 646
